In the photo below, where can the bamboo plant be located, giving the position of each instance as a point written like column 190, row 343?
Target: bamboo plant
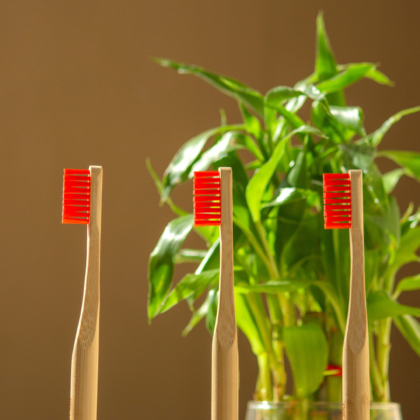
column 291, row 275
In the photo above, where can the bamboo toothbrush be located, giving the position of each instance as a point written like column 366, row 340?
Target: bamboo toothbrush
column 343, row 208
column 82, row 204
column 213, row 207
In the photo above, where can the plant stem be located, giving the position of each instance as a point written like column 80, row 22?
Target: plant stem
column 335, row 353
column 384, row 342
column 375, row 375
column 383, row 352
column 254, row 242
column 285, row 312
column 258, row 312
column 286, row 304
column 264, row 391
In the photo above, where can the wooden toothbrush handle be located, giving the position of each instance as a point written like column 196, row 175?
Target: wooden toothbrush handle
column 224, row 405
column 84, row 365
column 224, row 401
column 356, row 387
column 84, row 378
column 356, row 400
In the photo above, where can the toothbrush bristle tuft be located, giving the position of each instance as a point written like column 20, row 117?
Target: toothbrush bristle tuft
column 207, row 207
column 76, row 196
column 337, row 201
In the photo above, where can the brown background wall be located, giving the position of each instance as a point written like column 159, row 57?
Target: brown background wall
column 77, row 88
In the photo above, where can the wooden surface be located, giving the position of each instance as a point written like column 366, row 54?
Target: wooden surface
column 84, row 365
column 224, row 404
column 356, row 392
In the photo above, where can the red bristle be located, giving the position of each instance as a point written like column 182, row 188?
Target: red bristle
column 207, row 205
column 76, row 196
column 206, row 174
column 337, row 201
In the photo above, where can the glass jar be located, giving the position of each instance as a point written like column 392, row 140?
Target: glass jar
column 294, row 410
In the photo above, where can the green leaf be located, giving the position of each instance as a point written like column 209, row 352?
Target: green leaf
column 298, row 175
column 212, row 310
column 189, row 285
column 190, row 256
column 307, row 129
column 376, row 137
column 302, row 251
column 241, row 215
column 409, row 160
column 409, row 283
column 276, row 96
column 252, row 123
column 384, row 229
column 406, row 252
column 410, row 329
column 325, row 66
column 159, row 187
column 393, row 219
column 325, row 62
column 357, row 156
column 216, row 152
column 198, row 315
column 330, row 292
column 350, row 117
column 374, row 195
column 260, row 180
column 248, row 325
column 294, row 120
column 212, row 259
column 308, row 366
column 295, row 98
column 289, row 220
column 274, row 103
column 374, row 74
column 372, row 263
column 258, row 183
column 180, row 166
column 380, row 306
column 292, row 195
column 273, row 286
column 338, row 122
column 161, row 262
column 391, row 179
column 379, row 77
column 249, row 144
column 227, row 85
column 346, row 78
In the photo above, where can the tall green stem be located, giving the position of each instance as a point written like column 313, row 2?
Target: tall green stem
column 384, row 342
column 264, row 391
column 375, row 374
column 383, row 352
column 270, row 356
column 287, row 308
column 281, row 313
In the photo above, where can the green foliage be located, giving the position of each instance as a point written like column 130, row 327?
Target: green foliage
column 308, row 366
column 291, row 275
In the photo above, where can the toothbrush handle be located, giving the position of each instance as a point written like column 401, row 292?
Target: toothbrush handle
column 84, row 365
column 356, row 387
column 224, row 405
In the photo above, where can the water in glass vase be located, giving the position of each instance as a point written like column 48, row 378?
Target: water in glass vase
column 293, row 410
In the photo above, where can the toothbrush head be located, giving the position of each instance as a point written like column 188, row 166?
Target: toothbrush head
column 207, row 202
column 76, row 196
column 337, row 201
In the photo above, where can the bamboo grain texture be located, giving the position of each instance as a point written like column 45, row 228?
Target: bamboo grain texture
column 84, row 368
column 356, row 390
column 224, row 405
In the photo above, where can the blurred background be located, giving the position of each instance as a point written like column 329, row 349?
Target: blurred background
column 77, row 87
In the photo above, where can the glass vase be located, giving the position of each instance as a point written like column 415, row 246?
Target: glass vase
column 294, row 410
